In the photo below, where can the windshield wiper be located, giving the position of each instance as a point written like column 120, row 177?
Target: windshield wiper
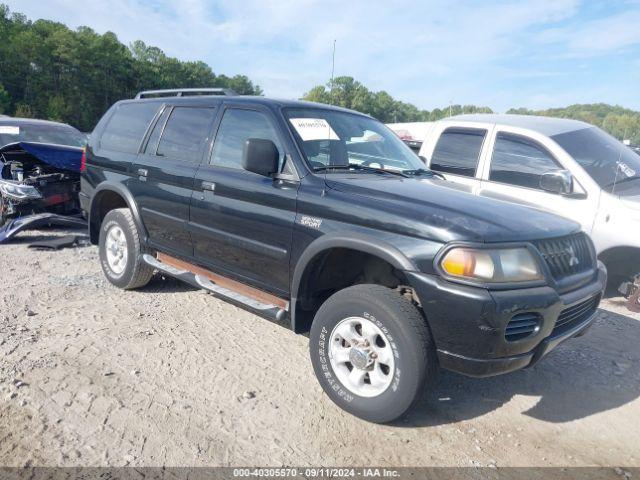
column 626, row 179
column 424, row 171
column 355, row 166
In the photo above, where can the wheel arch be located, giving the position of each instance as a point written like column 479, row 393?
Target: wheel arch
column 109, row 196
column 321, row 249
column 621, row 261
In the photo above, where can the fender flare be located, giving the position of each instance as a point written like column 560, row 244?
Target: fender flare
column 129, row 200
column 359, row 242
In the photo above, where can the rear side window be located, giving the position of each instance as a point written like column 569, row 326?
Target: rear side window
column 458, row 151
column 236, row 127
column 520, row 161
column 186, row 132
column 127, row 126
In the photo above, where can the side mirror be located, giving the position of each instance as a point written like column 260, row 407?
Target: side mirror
column 424, row 159
column 559, row 181
column 260, row 156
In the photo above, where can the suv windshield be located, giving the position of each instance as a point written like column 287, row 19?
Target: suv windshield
column 604, row 158
column 42, row 133
column 335, row 141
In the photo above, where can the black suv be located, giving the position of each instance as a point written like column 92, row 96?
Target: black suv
column 322, row 219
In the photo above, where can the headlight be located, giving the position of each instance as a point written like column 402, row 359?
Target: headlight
column 18, row 191
column 491, row 265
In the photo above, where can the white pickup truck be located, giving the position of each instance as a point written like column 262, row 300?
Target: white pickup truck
column 568, row 167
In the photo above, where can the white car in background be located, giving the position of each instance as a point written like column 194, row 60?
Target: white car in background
column 566, row 166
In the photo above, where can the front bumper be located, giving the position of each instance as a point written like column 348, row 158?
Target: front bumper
column 468, row 324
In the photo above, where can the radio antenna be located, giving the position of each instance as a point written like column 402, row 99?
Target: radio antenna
column 333, row 67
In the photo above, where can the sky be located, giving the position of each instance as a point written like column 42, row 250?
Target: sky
column 534, row 53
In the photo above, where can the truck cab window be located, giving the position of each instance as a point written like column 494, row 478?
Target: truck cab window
column 520, row 161
column 458, row 151
column 236, row 127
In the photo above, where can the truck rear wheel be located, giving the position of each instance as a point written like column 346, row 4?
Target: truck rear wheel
column 121, row 251
column 633, row 302
column 372, row 352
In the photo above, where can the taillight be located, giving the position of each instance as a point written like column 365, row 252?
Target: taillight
column 83, row 161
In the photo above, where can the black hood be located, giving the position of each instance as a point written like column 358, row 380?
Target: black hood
column 445, row 211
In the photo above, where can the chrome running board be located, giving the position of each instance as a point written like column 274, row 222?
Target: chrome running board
column 222, row 287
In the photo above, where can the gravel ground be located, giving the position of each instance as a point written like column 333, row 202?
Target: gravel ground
column 168, row 375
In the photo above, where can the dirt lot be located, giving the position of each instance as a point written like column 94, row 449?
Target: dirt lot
column 93, row 376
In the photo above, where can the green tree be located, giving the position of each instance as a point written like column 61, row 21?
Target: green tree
column 50, row 71
column 349, row 93
column 622, row 123
column 23, row 111
column 5, row 100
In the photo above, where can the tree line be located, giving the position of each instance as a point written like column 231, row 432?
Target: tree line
column 50, row 71
column 622, row 123
column 349, row 93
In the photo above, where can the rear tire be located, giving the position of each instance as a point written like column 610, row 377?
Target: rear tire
column 121, row 251
column 633, row 302
column 372, row 352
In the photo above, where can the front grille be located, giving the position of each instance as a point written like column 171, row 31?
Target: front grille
column 521, row 326
column 576, row 314
column 566, row 256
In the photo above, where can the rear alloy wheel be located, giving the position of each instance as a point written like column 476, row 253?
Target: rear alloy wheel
column 121, row 251
column 116, row 250
column 372, row 352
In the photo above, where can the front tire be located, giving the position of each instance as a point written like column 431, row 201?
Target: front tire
column 121, row 251
column 372, row 352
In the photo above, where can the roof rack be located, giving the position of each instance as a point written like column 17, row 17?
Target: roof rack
column 182, row 92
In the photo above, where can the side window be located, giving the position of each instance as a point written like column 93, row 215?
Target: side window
column 520, row 161
column 186, row 132
column 458, row 151
column 236, row 127
column 152, row 143
column 127, row 126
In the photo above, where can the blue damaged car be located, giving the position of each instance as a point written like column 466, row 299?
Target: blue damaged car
column 40, row 164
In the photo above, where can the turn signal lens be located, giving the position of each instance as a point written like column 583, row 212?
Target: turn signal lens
column 491, row 265
column 459, row 262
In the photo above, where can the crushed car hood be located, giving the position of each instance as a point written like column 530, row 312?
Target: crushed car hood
column 446, row 211
column 63, row 157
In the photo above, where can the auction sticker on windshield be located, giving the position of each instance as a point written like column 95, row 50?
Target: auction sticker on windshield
column 9, row 130
column 313, row 129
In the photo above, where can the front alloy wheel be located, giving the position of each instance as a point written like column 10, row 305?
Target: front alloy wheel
column 361, row 356
column 372, row 352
